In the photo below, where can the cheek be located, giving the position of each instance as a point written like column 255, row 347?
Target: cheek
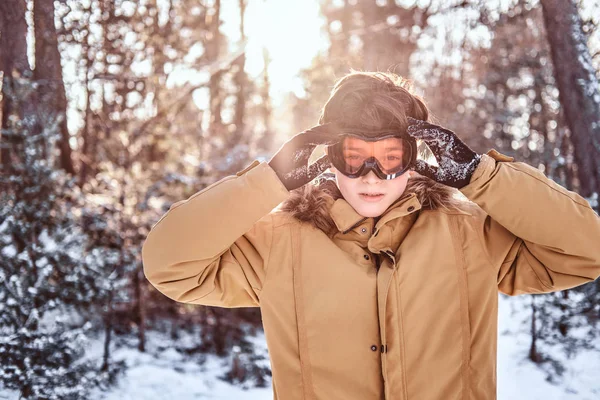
column 344, row 183
column 399, row 184
column 397, row 187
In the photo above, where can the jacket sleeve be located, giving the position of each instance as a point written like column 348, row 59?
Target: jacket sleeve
column 539, row 236
column 213, row 248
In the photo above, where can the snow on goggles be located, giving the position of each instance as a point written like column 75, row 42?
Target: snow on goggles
column 388, row 156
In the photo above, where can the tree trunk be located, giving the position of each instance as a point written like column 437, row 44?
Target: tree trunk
column 157, row 80
column 140, row 309
column 213, row 50
column 563, row 323
column 52, row 100
column 566, row 148
column 85, row 154
column 241, row 83
column 108, row 325
column 13, row 38
column 370, row 46
column 13, row 64
column 578, row 87
column 533, row 353
column 266, row 141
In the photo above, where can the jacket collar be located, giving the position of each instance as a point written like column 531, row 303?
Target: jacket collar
column 322, row 206
column 379, row 235
column 345, row 217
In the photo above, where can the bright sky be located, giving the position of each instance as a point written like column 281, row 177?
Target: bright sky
column 291, row 32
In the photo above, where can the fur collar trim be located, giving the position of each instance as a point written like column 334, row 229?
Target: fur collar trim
column 312, row 202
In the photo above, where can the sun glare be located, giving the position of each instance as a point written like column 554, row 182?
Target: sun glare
column 289, row 30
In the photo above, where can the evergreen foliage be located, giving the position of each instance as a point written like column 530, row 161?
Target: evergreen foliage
column 43, row 283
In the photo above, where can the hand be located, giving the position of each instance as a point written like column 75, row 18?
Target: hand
column 456, row 160
column 290, row 163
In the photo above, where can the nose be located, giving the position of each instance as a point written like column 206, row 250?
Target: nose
column 371, row 178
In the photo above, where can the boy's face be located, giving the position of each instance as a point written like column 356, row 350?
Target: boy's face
column 353, row 188
column 356, row 191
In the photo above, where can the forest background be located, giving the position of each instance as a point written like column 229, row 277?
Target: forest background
column 112, row 110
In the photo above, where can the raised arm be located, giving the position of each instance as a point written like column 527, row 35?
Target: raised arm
column 212, row 248
column 538, row 235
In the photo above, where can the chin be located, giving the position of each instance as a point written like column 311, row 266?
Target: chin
column 371, row 212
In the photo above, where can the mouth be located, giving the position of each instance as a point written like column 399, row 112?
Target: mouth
column 371, row 197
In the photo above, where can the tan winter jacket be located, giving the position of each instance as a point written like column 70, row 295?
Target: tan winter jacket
column 404, row 307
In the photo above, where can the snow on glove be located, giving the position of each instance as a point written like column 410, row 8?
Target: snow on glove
column 456, row 160
column 290, row 163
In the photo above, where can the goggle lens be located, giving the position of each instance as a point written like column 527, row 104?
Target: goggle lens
column 391, row 154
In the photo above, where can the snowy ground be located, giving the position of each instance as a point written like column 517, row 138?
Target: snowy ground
column 518, row 378
column 165, row 374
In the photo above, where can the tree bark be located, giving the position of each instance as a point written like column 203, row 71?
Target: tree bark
column 85, row 154
column 213, row 50
column 265, row 143
column 13, row 64
column 241, row 82
column 578, row 87
column 140, row 308
column 52, row 99
column 370, row 42
column 534, row 355
column 108, row 328
column 13, row 40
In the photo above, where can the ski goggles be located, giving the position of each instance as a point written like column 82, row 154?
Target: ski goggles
column 388, row 155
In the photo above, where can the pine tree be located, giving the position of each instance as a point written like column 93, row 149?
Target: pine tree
column 42, row 282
